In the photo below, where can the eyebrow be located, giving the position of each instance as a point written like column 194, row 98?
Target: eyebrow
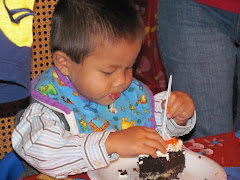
column 119, row 65
column 116, row 66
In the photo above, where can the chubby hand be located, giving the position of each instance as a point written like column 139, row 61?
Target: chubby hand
column 180, row 107
column 135, row 141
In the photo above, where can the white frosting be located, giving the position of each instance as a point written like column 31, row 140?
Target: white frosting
column 175, row 148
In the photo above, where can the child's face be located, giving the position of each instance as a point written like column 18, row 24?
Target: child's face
column 105, row 73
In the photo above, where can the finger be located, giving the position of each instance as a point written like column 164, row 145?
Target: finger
column 149, row 151
column 156, row 146
column 140, row 129
column 172, row 98
column 180, row 101
column 186, row 114
column 184, row 108
column 157, row 139
column 172, row 104
column 175, row 108
column 150, row 129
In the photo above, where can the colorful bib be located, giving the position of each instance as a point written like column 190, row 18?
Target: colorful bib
column 132, row 108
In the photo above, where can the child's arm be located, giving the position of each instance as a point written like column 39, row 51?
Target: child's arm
column 181, row 113
column 41, row 139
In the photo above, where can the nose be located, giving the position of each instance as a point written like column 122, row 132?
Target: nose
column 120, row 79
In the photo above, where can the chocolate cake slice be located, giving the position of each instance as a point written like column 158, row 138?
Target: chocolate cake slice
column 165, row 166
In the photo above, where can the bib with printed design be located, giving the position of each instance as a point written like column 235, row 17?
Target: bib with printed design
column 132, row 108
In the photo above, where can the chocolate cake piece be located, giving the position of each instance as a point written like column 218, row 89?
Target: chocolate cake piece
column 165, row 166
column 161, row 168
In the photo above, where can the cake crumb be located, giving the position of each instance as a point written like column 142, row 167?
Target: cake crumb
column 136, row 169
column 122, row 173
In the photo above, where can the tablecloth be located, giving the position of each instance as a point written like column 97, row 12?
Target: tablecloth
column 222, row 148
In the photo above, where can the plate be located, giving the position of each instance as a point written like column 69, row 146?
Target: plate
column 198, row 167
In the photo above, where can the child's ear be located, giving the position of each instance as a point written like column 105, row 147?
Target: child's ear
column 62, row 62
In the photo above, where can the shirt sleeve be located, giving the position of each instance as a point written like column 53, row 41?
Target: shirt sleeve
column 41, row 140
column 172, row 127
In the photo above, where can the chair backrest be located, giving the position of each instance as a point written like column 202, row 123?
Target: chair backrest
column 41, row 60
column 41, row 53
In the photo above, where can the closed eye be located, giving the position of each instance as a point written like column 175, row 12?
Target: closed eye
column 107, row 73
column 129, row 67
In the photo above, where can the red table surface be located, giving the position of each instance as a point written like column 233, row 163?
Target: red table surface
column 222, row 148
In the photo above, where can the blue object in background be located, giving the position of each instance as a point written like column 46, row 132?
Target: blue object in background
column 238, row 134
column 233, row 173
column 10, row 167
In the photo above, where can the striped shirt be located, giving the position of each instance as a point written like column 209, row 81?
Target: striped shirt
column 42, row 140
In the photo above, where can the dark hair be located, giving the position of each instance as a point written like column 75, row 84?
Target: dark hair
column 79, row 26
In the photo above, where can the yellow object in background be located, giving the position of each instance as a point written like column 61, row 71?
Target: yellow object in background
column 16, row 37
column 20, row 10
